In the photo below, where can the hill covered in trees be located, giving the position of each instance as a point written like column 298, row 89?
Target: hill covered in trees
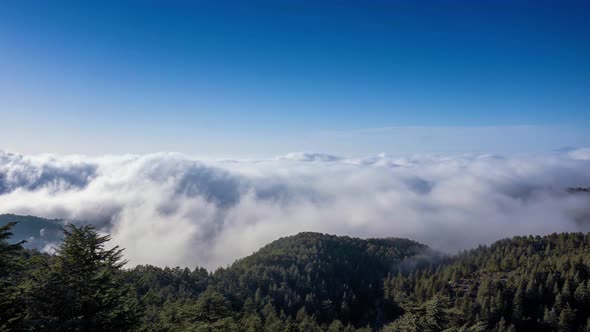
column 527, row 283
column 309, row 274
column 306, row 282
column 38, row 232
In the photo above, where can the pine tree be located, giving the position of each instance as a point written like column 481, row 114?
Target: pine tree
column 83, row 289
column 11, row 306
column 227, row 324
column 518, row 305
column 501, row 326
column 566, row 319
column 531, row 290
column 550, row 317
column 249, row 306
column 308, row 324
column 407, row 323
column 268, row 309
column 435, row 318
column 290, row 325
column 364, row 329
column 566, row 290
column 497, row 307
column 582, row 294
column 211, row 306
column 301, row 315
column 335, row 326
column 272, row 322
column 251, row 323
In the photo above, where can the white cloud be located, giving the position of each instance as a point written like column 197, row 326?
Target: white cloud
column 170, row 209
column 581, row 154
column 309, row 156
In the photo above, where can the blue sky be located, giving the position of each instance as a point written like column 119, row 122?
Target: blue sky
column 267, row 77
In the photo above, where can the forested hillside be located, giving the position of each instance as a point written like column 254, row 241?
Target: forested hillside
column 526, row 283
column 310, row 274
column 306, row 282
column 38, row 232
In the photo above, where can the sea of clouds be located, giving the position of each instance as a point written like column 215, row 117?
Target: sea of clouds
column 173, row 209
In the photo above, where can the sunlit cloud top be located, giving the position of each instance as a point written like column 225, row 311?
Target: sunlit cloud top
column 170, row 208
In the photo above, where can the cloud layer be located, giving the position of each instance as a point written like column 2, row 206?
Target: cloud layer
column 172, row 209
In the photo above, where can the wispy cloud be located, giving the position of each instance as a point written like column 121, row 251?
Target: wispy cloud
column 523, row 138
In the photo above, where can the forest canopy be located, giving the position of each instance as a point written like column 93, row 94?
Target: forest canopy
column 306, row 282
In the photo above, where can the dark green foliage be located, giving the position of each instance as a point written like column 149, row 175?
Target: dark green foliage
column 82, row 290
column 524, row 284
column 11, row 268
column 308, row 282
column 333, row 277
column 435, row 314
column 211, row 307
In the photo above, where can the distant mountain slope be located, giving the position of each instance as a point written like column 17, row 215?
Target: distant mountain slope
column 527, row 283
column 38, row 232
column 577, row 190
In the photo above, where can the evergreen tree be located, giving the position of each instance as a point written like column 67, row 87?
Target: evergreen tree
column 11, row 301
column 83, row 290
column 251, row 323
column 211, row 306
column 227, row 324
column 290, row 325
column 566, row 319
column 518, row 305
column 335, row 326
column 272, row 322
column 308, row 324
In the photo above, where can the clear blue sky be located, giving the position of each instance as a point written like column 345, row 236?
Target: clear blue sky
column 253, row 77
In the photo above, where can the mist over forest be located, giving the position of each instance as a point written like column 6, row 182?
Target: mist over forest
column 171, row 209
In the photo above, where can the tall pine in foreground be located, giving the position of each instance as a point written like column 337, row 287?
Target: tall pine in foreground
column 83, row 289
column 11, row 306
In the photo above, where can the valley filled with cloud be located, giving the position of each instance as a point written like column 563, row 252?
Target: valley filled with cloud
column 174, row 209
